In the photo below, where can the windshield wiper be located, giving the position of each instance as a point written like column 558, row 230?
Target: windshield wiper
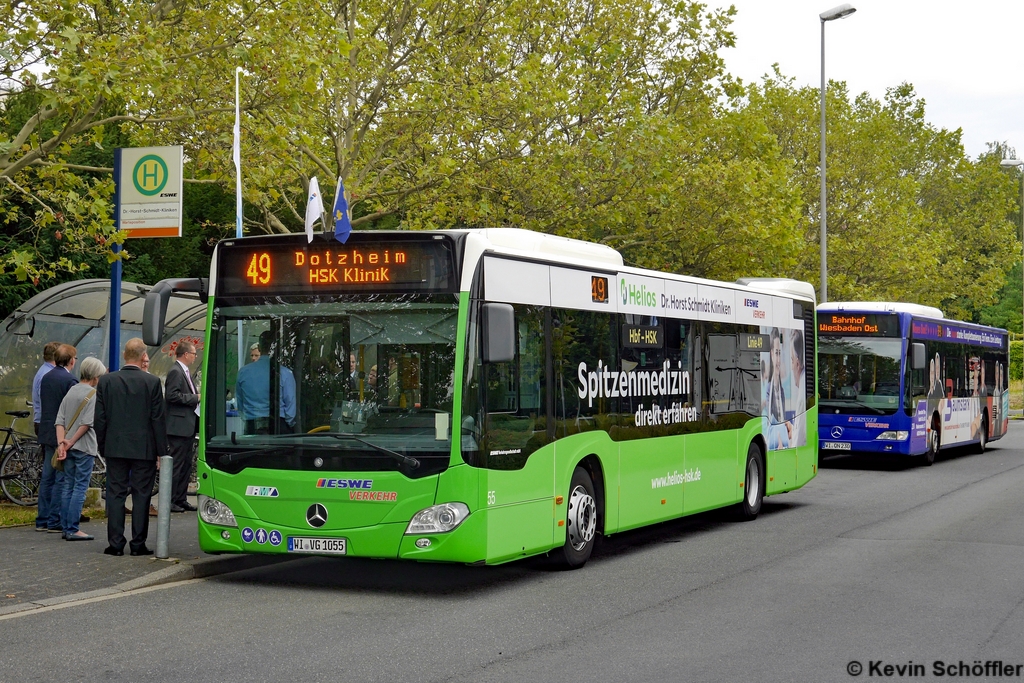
column 846, row 402
column 342, row 436
column 229, row 458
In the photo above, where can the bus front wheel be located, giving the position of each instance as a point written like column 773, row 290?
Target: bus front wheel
column 933, row 445
column 580, row 522
column 753, row 485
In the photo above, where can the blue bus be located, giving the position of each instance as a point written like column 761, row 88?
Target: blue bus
column 902, row 379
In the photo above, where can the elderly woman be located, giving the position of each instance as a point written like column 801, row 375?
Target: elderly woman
column 77, row 447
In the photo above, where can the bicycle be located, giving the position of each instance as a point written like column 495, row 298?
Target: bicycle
column 21, row 463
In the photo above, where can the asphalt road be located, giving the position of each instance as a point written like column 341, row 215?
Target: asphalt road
column 871, row 562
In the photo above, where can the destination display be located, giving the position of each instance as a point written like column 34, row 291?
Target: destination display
column 642, row 337
column 859, row 324
column 263, row 267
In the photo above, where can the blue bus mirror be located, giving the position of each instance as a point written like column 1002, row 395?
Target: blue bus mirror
column 918, row 362
column 499, row 333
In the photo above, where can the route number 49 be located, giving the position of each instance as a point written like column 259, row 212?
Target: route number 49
column 490, row 497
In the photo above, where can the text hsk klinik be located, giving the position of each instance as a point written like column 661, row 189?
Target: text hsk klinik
column 351, row 267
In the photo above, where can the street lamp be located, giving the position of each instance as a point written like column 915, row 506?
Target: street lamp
column 844, row 10
column 1017, row 163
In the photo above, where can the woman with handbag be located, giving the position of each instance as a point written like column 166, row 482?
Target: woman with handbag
column 77, row 447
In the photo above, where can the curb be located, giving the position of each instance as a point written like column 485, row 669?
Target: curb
column 180, row 571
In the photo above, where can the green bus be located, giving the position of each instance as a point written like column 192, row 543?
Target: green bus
column 480, row 396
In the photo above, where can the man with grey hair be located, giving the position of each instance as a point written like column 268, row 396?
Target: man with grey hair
column 76, row 446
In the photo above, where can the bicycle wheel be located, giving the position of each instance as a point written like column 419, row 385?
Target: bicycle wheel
column 20, row 472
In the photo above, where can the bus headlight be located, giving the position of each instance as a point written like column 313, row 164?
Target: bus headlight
column 893, row 436
column 213, row 511
column 438, row 519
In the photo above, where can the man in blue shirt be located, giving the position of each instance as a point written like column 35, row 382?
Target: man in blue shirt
column 52, row 390
column 252, row 391
column 37, row 408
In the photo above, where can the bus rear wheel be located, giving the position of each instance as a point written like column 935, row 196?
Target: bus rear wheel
column 983, row 434
column 753, row 485
column 580, row 522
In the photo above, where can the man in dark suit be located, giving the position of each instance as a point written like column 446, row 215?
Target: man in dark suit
column 131, row 435
column 53, row 388
column 182, row 422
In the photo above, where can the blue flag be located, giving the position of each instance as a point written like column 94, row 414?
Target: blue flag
column 342, row 222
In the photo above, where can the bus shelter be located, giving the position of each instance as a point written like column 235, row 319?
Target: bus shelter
column 76, row 313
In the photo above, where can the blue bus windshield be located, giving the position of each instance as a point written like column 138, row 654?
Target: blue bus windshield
column 859, row 375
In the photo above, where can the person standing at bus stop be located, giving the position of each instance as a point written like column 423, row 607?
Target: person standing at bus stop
column 77, row 446
column 37, row 409
column 52, row 390
column 182, row 422
column 131, row 435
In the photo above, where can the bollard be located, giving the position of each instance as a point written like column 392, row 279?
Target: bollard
column 163, row 507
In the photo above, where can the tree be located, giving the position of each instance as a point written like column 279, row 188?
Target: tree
column 72, row 74
column 910, row 217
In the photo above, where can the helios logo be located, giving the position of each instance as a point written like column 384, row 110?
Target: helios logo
column 637, row 296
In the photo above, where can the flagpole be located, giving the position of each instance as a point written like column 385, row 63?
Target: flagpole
column 237, row 155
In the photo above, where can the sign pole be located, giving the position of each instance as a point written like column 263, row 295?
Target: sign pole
column 114, row 314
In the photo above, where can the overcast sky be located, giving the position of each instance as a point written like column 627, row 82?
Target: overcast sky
column 966, row 59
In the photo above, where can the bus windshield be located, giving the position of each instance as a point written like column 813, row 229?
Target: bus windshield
column 365, row 380
column 859, row 375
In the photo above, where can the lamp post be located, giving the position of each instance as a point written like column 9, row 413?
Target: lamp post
column 844, row 10
column 1017, row 163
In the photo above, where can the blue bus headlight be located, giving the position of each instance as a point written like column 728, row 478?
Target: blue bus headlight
column 893, row 436
column 438, row 519
column 215, row 512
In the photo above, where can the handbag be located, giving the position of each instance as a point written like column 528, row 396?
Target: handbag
column 55, row 462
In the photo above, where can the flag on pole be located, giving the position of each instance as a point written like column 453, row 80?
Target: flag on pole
column 342, row 221
column 314, row 207
column 236, row 156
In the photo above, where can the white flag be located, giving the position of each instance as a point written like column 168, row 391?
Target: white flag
column 314, row 207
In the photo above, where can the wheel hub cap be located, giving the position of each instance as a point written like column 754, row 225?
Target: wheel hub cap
column 582, row 518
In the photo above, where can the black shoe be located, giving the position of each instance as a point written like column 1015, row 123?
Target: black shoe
column 177, row 508
column 76, row 537
column 141, row 551
column 111, row 550
column 189, row 507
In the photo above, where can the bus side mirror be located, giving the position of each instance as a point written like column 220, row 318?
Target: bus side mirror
column 499, row 333
column 918, row 362
column 155, row 311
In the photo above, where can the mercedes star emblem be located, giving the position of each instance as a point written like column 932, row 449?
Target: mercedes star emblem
column 837, row 432
column 319, row 462
column 316, row 515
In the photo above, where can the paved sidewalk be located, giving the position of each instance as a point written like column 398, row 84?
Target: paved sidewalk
column 41, row 569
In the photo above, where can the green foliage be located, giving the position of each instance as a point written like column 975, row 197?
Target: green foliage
column 607, row 120
column 910, row 217
column 1016, row 358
